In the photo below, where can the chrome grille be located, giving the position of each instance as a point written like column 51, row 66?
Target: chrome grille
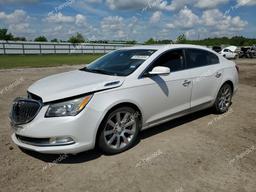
column 24, row 110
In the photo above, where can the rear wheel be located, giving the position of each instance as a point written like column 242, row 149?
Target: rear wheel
column 223, row 100
column 119, row 130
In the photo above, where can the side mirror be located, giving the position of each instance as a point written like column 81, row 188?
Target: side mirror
column 160, row 71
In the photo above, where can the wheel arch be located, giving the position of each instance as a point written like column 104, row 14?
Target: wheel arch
column 226, row 81
column 114, row 107
column 229, row 82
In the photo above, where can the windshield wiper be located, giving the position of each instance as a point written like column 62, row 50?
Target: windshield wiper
column 98, row 71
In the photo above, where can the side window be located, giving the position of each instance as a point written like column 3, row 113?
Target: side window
column 200, row 58
column 212, row 58
column 173, row 59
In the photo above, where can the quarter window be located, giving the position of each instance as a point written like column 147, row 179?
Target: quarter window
column 200, row 58
column 212, row 58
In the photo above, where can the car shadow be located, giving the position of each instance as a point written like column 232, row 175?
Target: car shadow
column 65, row 158
column 161, row 83
column 174, row 123
column 94, row 154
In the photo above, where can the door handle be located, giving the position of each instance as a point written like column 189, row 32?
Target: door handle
column 186, row 83
column 218, row 74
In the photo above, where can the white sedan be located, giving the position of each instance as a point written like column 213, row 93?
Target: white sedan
column 108, row 102
column 228, row 53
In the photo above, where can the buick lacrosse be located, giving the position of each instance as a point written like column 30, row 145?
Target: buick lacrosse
column 108, row 102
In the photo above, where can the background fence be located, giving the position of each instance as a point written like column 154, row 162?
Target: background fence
column 17, row 47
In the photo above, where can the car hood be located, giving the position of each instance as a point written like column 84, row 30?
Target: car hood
column 73, row 83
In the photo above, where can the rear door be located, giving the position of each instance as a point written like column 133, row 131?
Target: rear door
column 206, row 73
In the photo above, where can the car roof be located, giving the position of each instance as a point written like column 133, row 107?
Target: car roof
column 166, row 47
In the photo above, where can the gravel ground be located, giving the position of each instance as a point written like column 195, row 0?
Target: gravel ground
column 199, row 152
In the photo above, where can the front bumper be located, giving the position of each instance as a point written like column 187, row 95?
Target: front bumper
column 65, row 149
column 81, row 128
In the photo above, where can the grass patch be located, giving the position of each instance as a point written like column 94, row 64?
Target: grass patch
column 23, row 61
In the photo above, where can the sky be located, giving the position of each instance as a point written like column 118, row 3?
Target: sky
column 129, row 19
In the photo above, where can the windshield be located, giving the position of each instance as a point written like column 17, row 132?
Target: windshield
column 120, row 62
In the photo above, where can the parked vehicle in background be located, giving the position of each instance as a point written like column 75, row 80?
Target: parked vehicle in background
column 244, row 52
column 248, row 52
column 217, row 49
column 230, row 52
column 108, row 102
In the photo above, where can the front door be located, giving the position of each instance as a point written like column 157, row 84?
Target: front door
column 166, row 95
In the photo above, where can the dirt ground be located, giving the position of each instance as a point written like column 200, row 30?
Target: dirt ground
column 200, row 152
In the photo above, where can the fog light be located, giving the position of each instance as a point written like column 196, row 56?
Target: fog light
column 61, row 141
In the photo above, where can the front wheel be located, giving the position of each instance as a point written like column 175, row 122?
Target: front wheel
column 119, row 130
column 223, row 100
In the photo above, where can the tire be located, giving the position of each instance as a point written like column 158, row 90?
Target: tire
column 223, row 100
column 119, row 131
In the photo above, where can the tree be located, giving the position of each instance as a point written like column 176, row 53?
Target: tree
column 153, row 41
column 19, row 39
column 41, row 39
column 165, row 41
column 4, row 35
column 238, row 40
column 55, row 40
column 131, row 42
column 78, row 38
column 150, row 41
column 181, row 39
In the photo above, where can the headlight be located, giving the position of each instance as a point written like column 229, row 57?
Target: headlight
column 68, row 108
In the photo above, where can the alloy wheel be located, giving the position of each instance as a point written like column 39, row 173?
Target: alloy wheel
column 225, row 97
column 120, row 129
